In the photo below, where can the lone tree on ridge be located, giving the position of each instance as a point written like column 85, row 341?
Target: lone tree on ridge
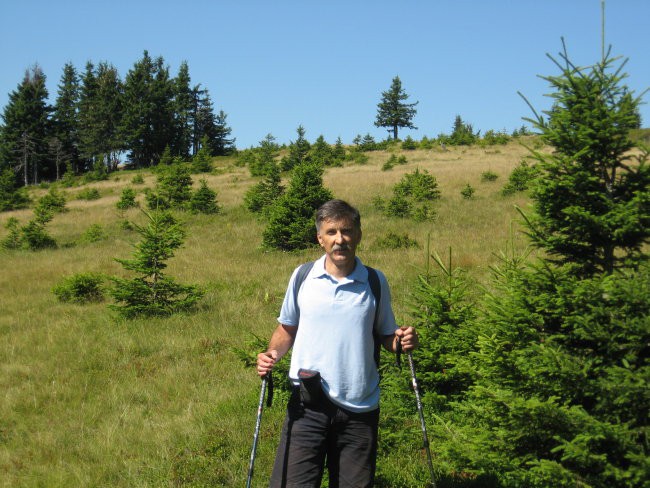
column 393, row 111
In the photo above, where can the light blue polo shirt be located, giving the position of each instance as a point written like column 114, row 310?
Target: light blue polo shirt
column 334, row 336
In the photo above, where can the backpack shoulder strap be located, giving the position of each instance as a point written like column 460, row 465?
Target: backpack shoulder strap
column 375, row 287
column 303, row 271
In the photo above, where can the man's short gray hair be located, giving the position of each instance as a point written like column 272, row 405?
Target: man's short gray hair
column 337, row 210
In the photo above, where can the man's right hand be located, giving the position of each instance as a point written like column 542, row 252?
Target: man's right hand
column 265, row 362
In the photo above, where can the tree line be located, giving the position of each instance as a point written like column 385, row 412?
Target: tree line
column 99, row 120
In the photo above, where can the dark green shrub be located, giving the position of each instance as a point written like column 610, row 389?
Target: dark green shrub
column 468, row 192
column 11, row 197
column 423, row 211
column 127, row 199
column 13, row 239
column 291, row 218
column 52, row 202
column 520, row 179
column 137, row 179
column 174, row 188
column 204, row 200
column 396, row 241
column 35, row 237
column 488, row 176
column 94, row 233
column 409, row 144
column 202, row 160
column 80, row 288
column 394, row 160
column 421, row 186
column 398, row 206
column 260, row 197
column 89, row 194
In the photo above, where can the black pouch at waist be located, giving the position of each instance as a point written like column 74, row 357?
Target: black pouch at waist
column 311, row 392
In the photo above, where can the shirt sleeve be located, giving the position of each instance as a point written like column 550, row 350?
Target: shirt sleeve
column 289, row 314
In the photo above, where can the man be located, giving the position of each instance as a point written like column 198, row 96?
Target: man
column 333, row 411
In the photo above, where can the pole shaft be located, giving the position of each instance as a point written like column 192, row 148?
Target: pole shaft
column 418, row 400
column 258, row 423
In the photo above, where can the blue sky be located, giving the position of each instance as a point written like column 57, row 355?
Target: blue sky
column 274, row 65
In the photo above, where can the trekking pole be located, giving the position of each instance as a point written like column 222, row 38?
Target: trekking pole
column 266, row 379
column 418, row 400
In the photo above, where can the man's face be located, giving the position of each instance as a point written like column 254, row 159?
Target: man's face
column 339, row 239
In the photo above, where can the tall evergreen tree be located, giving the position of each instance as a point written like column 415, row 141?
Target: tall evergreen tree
column 183, row 112
column 65, row 117
column 109, row 143
column 393, row 111
column 86, row 116
column 26, row 129
column 221, row 143
column 162, row 98
column 204, row 118
column 147, row 125
column 100, row 116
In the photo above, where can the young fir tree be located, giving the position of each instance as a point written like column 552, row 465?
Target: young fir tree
column 393, row 111
column 152, row 292
column 261, row 196
column 221, row 144
column 11, row 197
column 204, row 200
column 291, row 217
column 298, row 151
column 174, row 188
column 592, row 204
column 264, row 156
column 559, row 357
column 321, row 152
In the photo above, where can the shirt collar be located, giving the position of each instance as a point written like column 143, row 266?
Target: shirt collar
column 360, row 272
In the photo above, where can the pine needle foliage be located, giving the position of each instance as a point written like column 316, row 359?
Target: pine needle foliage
column 592, row 205
column 152, row 292
column 291, row 217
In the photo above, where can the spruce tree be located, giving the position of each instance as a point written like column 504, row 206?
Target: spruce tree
column 321, row 152
column 152, row 292
column 557, row 356
column 264, row 156
column 260, row 197
column 204, row 200
column 26, row 130
column 65, row 116
column 291, row 217
column 298, row 151
column 183, row 101
column 393, row 111
column 147, row 124
column 592, row 203
column 221, row 144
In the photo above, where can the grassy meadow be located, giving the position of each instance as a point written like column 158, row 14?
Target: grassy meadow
column 90, row 399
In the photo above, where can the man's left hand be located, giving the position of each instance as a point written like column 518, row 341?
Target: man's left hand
column 408, row 337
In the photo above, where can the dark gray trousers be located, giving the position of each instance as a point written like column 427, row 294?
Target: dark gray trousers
column 317, row 435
